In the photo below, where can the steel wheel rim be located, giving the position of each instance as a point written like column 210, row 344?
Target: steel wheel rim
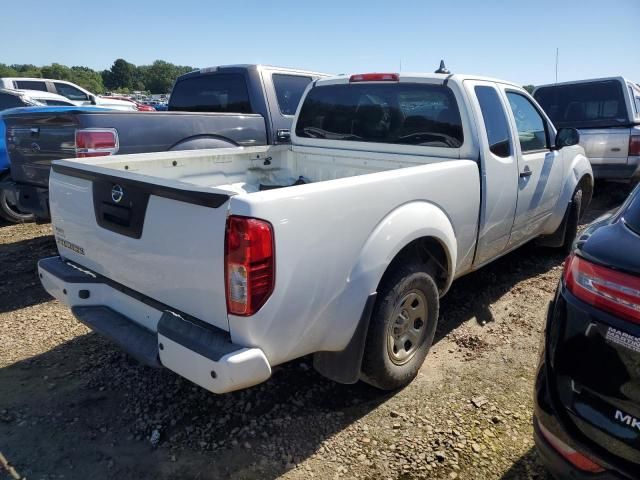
column 407, row 327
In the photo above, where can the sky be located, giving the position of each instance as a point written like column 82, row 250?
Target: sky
column 510, row 39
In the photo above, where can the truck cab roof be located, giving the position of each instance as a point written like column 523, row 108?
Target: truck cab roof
column 252, row 66
column 586, row 80
column 419, row 77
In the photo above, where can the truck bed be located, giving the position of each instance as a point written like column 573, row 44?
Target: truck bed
column 248, row 170
column 172, row 220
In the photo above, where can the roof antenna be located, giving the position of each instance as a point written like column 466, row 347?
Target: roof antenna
column 442, row 68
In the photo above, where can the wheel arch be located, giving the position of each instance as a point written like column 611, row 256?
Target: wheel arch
column 421, row 228
column 198, row 142
column 578, row 172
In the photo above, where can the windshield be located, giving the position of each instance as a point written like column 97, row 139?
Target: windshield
column 404, row 113
column 222, row 92
column 593, row 104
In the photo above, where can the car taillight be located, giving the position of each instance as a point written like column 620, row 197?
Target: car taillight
column 615, row 292
column 249, row 264
column 634, row 146
column 96, row 142
column 577, row 459
column 374, row 77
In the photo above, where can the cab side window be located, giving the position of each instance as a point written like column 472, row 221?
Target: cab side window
column 31, row 85
column 289, row 90
column 71, row 92
column 495, row 121
column 532, row 131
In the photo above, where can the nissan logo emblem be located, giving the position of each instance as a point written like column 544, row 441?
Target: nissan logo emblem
column 117, row 193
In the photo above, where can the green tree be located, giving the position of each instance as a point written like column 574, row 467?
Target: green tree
column 87, row 78
column 529, row 88
column 7, row 71
column 122, row 73
column 27, row 70
column 56, row 71
column 160, row 76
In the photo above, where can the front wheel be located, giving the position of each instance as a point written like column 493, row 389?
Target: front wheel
column 402, row 327
column 8, row 208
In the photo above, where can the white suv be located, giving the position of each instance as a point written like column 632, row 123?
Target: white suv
column 76, row 94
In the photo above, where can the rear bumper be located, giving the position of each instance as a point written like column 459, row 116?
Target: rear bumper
column 623, row 171
column 552, row 416
column 152, row 332
column 558, row 466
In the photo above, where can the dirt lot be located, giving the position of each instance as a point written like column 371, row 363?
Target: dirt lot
column 74, row 407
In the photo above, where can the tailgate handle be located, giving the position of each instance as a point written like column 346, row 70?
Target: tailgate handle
column 116, row 215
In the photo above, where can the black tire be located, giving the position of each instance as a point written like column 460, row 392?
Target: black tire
column 573, row 219
column 8, row 210
column 383, row 365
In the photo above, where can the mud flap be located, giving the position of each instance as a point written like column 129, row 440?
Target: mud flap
column 344, row 366
column 556, row 239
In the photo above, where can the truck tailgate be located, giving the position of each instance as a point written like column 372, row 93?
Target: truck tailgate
column 161, row 238
column 605, row 145
column 33, row 140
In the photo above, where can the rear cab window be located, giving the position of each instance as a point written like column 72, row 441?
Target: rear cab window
column 289, row 90
column 396, row 113
column 584, row 105
column 221, row 92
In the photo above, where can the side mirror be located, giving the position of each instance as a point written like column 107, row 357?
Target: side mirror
column 283, row 135
column 566, row 137
column 92, row 99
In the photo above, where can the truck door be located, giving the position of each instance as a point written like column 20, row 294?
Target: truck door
column 284, row 91
column 499, row 169
column 540, row 169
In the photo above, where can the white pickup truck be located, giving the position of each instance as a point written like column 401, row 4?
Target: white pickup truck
column 221, row 264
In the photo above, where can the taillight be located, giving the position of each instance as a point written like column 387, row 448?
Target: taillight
column 375, row 77
column 249, row 264
column 577, row 459
column 96, row 142
column 634, row 146
column 615, row 292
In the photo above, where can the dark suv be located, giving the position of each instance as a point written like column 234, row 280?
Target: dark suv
column 587, row 394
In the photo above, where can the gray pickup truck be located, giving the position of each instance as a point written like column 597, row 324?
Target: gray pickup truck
column 606, row 112
column 226, row 106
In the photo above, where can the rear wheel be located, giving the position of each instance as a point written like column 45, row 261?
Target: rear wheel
column 402, row 327
column 8, row 208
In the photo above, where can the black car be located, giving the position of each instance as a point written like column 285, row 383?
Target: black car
column 587, row 394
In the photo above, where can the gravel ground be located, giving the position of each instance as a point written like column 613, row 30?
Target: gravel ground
column 73, row 406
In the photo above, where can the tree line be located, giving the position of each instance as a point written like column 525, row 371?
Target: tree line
column 122, row 77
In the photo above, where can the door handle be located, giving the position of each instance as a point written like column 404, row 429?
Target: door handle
column 526, row 173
